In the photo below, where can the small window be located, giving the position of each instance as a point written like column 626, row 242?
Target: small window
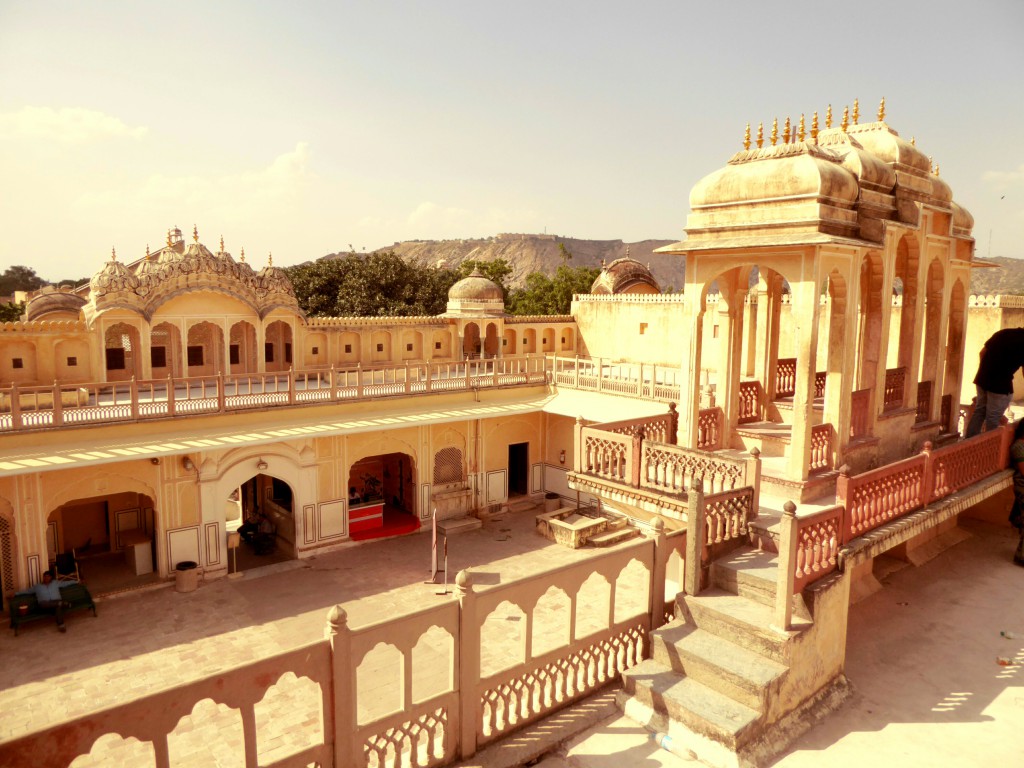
column 287, row 352
column 563, row 339
column 437, row 345
column 234, row 354
column 17, row 362
column 348, row 349
column 408, row 347
column 72, row 362
column 714, row 332
column 643, row 329
column 504, row 342
column 316, row 350
column 544, row 342
column 380, row 347
column 158, row 357
column 524, row 341
column 268, row 352
column 115, row 359
column 195, row 355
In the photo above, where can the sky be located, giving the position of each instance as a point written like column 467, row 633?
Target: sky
column 307, row 128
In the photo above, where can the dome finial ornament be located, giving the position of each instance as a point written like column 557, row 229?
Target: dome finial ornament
column 222, row 243
column 746, row 137
column 856, row 111
column 846, row 119
column 760, row 135
column 195, row 233
column 168, row 238
column 786, row 132
column 113, row 254
column 913, row 141
column 828, row 117
column 241, row 256
column 931, row 164
column 814, row 127
column 270, row 259
column 936, row 169
column 775, row 131
column 801, row 130
column 148, row 257
column 881, row 110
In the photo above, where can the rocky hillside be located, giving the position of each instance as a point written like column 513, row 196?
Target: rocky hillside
column 1007, row 278
column 540, row 253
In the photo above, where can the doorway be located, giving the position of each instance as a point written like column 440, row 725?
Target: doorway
column 261, row 510
column 518, row 469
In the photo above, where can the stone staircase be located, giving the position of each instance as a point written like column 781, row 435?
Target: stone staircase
column 719, row 681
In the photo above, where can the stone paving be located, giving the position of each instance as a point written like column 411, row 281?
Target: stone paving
column 148, row 641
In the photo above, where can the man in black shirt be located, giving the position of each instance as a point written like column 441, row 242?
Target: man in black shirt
column 1001, row 356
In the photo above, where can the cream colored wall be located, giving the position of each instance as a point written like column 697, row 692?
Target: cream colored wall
column 628, row 329
column 982, row 322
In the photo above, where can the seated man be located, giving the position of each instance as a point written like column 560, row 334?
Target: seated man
column 264, row 541
column 353, row 497
column 250, row 527
column 48, row 596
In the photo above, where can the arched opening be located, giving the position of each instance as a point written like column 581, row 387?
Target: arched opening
column 547, row 343
column 382, row 497
column 165, row 351
column 566, row 340
column 8, row 552
column 205, row 350
column 954, row 356
column 470, row 341
column 412, row 345
column 491, row 341
column 529, row 341
column 242, row 348
column 442, row 345
column 108, row 541
column 348, row 348
column 262, row 511
column 380, row 347
column 869, row 331
column 277, row 346
column 508, row 342
column 121, row 347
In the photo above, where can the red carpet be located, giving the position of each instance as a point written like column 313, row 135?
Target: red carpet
column 396, row 523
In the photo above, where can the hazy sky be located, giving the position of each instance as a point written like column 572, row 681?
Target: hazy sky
column 301, row 128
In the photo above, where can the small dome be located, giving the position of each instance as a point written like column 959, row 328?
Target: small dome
column 941, row 190
column 476, row 287
column 886, row 144
column 963, row 221
column 625, row 275
column 51, row 300
column 114, row 277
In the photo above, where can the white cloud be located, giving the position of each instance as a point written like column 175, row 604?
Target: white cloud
column 69, row 125
column 1004, row 179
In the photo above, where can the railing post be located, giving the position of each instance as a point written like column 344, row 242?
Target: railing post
column 58, row 406
column 359, row 379
column 170, row 395
column 494, row 370
column 755, row 481
column 787, row 562
column 638, row 452
column 133, row 398
column 673, row 424
column 577, row 454
column 428, row 384
column 661, row 555
column 291, row 385
column 343, row 688
column 469, row 666
column 576, row 370
column 408, row 387
column 694, row 537
column 467, row 363
column 600, row 375
column 15, row 406
column 331, row 383
column 640, row 383
column 221, row 393
column 927, row 475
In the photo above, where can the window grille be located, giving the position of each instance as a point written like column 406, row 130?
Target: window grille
column 447, row 466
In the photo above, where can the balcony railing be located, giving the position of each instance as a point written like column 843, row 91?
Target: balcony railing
column 650, row 382
column 895, row 381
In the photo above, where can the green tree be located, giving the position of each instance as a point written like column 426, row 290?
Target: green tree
column 543, row 295
column 497, row 271
column 19, row 278
column 11, row 312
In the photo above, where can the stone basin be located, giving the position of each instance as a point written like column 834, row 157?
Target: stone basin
column 566, row 526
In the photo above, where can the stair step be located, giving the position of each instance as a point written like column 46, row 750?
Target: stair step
column 737, row 672
column 750, row 573
column 740, row 620
column 687, row 701
column 609, row 538
column 455, row 525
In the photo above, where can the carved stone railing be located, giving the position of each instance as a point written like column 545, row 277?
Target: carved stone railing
column 751, row 402
column 359, row 727
column 924, row 402
column 672, row 469
column 860, row 414
column 785, row 377
column 646, row 381
column 661, row 428
column 709, row 429
column 62, row 405
column 711, row 520
column 808, row 550
column 607, row 455
column 876, row 497
column 895, row 382
column 965, row 462
column 822, row 439
column 820, row 379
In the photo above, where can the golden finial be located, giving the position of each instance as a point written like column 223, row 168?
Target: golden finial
column 168, row 238
column 814, row 127
column 241, row 256
column 270, row 259
column 856, row 111
column 746, row 137
column 775, row 131
column 936, row 169
column 846, row 119
column 931, row 164
column 760, row 135
column 881, row 110
column 222, row 243
column 786, row 132
column 828, row 117
column 801, row 132
column 195, row 233
column 147, row 251
column 913, row 141
column 113, row 254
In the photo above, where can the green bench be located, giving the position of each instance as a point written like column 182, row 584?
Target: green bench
column 75, row 594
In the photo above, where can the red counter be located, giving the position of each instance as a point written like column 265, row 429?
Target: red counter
column 365, row 517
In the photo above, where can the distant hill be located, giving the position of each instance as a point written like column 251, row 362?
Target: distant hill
column 540, row 253
column 1007, row 278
